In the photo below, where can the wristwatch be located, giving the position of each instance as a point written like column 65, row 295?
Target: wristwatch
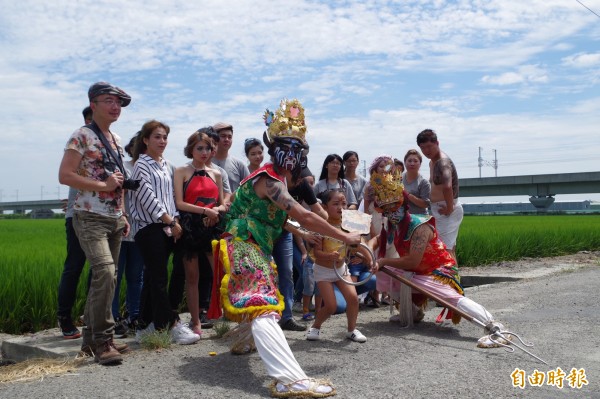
column 173, row 223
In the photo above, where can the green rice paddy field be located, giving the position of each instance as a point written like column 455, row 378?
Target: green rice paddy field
column 32, row 253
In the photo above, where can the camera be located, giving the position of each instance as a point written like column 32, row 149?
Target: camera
column 131, row 184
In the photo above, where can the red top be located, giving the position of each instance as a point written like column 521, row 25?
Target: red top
column 201, row 190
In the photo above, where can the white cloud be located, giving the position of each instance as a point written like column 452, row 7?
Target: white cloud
column 371, row 75
column 583, row 60
column 524, row 74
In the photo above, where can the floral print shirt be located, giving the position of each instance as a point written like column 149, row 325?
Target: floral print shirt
column 106, row 203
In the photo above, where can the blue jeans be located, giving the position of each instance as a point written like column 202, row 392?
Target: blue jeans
column 297, row 261
column 100, row 239
column 74, row 264
column 360, row 289
column 132, row 264
column 283, row 254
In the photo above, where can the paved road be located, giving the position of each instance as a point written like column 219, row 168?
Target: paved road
column 558, row 312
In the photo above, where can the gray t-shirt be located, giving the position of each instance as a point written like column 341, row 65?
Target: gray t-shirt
column 224, row 178
column 358, row 186
column 421, row 188
column 323, row 185
column 236, row 170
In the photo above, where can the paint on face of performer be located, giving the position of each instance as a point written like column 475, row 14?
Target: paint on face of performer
column 287, row 154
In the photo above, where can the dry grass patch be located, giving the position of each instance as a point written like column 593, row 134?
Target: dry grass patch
column 38, row 369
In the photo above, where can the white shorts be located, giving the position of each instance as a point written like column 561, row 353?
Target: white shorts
column 323, row 273
column 447, row 226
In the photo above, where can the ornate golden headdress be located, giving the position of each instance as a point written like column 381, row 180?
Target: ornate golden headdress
column 286, row 122
column 387, row 187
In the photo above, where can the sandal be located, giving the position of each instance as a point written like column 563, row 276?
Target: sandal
column 309, row 388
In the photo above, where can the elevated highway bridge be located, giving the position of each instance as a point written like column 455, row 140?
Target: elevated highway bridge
column 541, row 189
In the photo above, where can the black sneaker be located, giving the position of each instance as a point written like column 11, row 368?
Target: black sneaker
column 68, row 329
column 204, row 322
column 291, row 325
column 121, row 328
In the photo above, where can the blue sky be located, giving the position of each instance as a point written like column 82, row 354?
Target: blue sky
column 518, row 77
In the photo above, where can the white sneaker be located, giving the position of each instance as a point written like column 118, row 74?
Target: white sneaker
column 139, row 334
column 356, row 336
column 313, row 334
column 182, row 335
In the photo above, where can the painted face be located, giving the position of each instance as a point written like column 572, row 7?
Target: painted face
column 287, row 154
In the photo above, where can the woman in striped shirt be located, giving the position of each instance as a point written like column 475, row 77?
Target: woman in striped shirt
column 156, row 218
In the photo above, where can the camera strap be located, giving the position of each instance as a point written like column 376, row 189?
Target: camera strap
column 109, row 150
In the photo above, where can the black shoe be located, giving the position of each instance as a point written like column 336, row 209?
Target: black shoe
column 68, row 329
column 121, row 328
column 204, row 322
column 292, row 325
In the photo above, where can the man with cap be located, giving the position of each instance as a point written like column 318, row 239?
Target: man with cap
column 235, row 168
column 98, row 218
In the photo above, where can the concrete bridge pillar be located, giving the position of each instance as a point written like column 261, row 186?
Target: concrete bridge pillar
column 542, row 202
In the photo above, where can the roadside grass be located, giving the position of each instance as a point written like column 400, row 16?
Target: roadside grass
column 221, row 327
column 156, row 340
column 33, row 252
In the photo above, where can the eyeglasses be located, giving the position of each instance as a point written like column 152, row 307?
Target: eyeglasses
column 109, row 102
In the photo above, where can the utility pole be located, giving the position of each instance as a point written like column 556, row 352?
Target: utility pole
column 482, row 162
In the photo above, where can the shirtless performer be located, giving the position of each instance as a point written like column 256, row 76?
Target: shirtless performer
column 445, row 207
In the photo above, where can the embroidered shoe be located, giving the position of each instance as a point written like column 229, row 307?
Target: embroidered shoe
column 356, row 336
column 309, row 388
column 313, row 334
column 182, row 335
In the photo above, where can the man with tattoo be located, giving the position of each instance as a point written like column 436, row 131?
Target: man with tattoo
column 445, row 207
column 245, row 275
column 423, row 258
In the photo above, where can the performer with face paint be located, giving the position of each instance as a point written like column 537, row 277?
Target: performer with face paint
column 421, row 257
column 245, row 275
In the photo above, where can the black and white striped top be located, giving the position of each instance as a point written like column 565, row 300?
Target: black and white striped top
column 155, row 197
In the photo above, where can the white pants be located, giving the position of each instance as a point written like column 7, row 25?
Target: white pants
column 447, row 225
column 444, row 291
column 274, row 350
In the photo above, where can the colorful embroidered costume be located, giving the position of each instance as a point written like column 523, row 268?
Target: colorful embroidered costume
column 436, row 261
column 246, row 274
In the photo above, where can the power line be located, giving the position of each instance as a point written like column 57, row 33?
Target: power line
column 590, row 10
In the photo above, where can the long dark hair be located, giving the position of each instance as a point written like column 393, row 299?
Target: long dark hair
column 328, row 159
column 140, row 147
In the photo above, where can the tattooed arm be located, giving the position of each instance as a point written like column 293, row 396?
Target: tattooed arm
column 277, row 192
column 420, row 238
column 442, row 176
